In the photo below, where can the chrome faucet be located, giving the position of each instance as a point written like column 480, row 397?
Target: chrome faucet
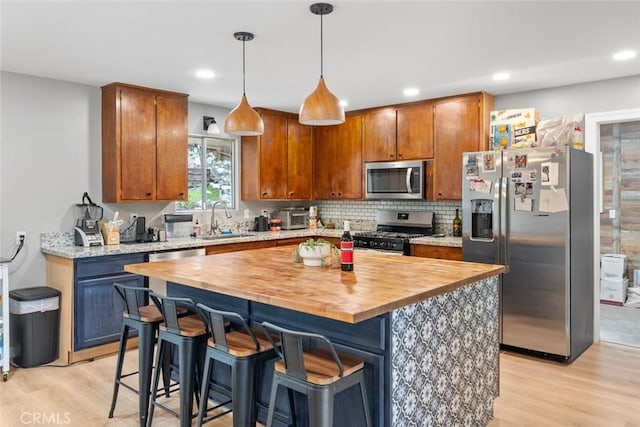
column 214, row 222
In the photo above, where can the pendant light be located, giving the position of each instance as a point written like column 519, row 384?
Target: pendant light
column 321, row 108
column 243, row 120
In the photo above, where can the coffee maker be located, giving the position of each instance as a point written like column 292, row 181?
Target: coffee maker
column 87, row 229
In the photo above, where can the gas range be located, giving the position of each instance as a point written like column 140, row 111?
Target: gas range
column 393, row 231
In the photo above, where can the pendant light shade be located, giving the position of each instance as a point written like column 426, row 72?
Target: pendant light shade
column 321, row 108
column 243, row 120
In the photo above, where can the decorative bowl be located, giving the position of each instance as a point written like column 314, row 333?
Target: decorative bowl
column 312, row 255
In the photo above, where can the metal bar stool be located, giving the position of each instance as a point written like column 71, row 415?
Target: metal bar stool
column 145, row 319
column 244, row 350
column 319, row 373
column 188, row 334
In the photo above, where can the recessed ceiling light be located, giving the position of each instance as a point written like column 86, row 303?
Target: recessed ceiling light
column 624, row 55
column 503, row 75
column 205, row 74
column 343, row 103
column 411, row 91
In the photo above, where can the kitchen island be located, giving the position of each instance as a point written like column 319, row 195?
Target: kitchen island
column 426, row 328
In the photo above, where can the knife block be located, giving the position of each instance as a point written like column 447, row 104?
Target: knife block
column 111, row 235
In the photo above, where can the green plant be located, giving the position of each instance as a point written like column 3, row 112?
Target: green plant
column 213, row 193
column 314, row 243
column 194, row 201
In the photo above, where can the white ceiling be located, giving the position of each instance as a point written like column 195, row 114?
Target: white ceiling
column 372, row 49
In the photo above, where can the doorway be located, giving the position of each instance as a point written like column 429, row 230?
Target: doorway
column 616, row 135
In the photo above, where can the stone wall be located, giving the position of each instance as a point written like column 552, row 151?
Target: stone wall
column 620, row 145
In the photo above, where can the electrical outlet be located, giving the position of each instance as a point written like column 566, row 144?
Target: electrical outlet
column 20, row 235
column 133, row 217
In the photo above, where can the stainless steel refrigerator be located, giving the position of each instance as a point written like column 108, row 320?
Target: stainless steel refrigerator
column 532, row 211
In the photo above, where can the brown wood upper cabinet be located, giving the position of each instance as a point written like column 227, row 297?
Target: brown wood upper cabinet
column 144, row 144
column 338, row 160
column 401, row 133
column 461, row 124
column 278, row 165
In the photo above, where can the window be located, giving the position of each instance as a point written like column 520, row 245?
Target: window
column 210, row 172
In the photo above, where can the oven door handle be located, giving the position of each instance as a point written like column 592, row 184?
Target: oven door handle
column 408, row 180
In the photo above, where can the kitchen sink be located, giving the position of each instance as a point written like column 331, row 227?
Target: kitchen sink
column 225, row 236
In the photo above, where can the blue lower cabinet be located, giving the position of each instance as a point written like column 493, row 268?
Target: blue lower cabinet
column 98, row 309
column 97, row 312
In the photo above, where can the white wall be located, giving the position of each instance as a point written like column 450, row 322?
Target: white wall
column 49, row 133
column 605, row 95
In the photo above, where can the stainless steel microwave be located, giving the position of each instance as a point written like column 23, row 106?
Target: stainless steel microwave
column 395, row 180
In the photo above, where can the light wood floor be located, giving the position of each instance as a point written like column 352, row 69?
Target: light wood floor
column 601, row 388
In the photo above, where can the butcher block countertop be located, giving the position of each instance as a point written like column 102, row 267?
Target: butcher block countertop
column 380, row 283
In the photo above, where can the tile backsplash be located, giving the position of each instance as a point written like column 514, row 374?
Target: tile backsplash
column 363, row 212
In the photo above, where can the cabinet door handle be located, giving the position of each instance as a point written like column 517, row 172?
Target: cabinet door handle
column 181, row 194
column 391, row 155
column 333, row 194
column 400, row 156
column 148, row 194
column 291, row 193
column 264, row 194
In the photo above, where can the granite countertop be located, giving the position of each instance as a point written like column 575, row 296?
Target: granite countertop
column 62, row 246
column 438, row 241
column 380, row 282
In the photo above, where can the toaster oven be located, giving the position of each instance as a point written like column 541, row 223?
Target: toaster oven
column 293, row 218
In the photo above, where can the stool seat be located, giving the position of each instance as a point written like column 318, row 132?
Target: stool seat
column 240, row 343
column 189, row 326
column 321, row 367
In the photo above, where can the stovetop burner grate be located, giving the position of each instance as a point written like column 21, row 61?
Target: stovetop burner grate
column 388, row 235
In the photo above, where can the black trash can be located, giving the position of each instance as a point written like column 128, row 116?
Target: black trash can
column 35, row 325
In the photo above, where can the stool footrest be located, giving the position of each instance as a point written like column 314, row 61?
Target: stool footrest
column 128, row 387
column 173, row 387
column 167, row 409
column 129, row 374
column 213, row 408
column 119, row 381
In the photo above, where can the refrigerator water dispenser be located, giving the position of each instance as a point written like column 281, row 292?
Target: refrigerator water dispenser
column 482, row 219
